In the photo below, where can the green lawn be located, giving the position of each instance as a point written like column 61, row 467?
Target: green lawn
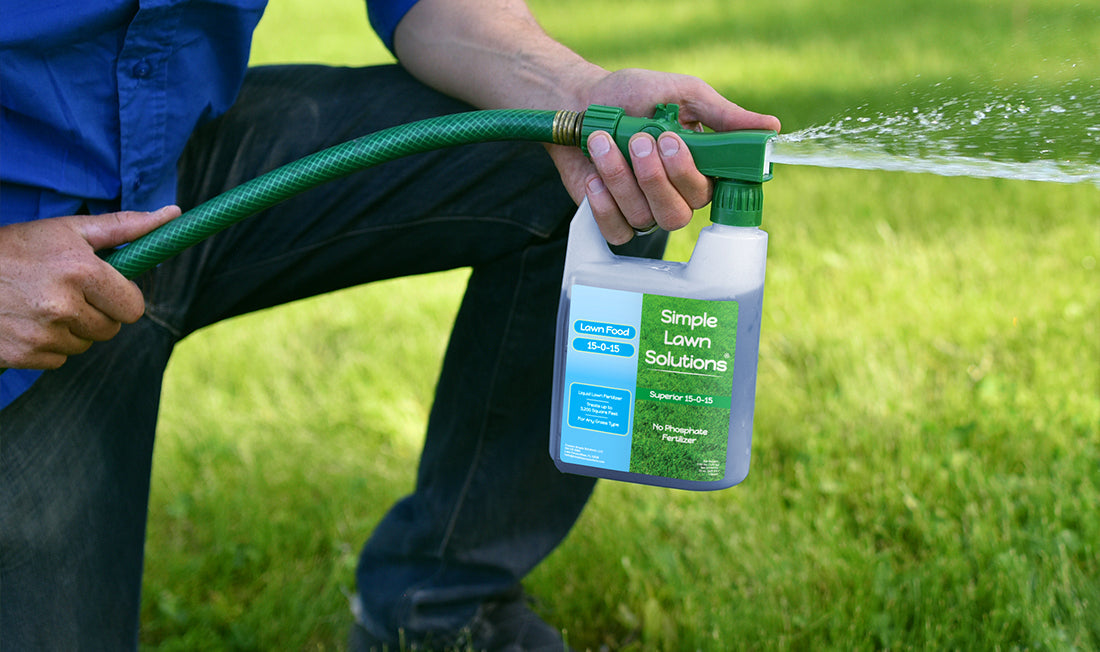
column 926, row 468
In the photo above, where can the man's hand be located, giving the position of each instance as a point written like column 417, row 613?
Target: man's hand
column 664, row 187
column 495, row 55
column 56, row 295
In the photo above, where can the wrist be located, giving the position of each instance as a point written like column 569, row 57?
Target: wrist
column 574, row 89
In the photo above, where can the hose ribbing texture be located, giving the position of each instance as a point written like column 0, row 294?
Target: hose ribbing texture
column 335, row 162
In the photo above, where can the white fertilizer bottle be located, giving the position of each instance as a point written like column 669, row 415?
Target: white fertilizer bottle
column 655, row 362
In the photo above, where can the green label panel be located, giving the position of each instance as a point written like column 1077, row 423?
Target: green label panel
column 685, row 379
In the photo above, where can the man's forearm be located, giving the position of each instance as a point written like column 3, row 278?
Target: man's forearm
column 492, row 54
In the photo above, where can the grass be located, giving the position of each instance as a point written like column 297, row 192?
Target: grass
column 927, row 443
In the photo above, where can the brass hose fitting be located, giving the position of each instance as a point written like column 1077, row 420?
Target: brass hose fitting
column 566, row 129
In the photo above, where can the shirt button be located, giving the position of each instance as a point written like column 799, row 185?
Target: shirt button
column 142, row 69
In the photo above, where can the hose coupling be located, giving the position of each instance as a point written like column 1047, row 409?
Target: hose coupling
column 566, row 129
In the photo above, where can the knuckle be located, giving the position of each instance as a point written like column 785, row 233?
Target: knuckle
column 616, row 232
column 50, row 362
column 640, row 217
column 57, row 309
column 111, row 330
column 12, row 357
column 616, row 176
column 37, row 340
column 649, row 175
column 699, row 201
column 672, row 212
column 678, row 218
column 613, row 228
column 620, row 237
column 612, row 170
column 80, row 267
column 603, row 207
column 132, row 309
column 694, row 190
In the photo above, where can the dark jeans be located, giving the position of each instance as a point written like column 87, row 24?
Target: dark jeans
column 75, row 450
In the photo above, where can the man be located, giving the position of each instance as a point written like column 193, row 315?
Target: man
column 114, row 111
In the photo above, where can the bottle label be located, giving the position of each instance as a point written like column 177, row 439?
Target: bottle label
column 648, row 380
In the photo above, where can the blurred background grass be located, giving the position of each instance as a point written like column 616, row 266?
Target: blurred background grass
column 927, row 446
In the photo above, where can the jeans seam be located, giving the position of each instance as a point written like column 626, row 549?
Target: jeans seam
column 150, row 314
column 445, row 541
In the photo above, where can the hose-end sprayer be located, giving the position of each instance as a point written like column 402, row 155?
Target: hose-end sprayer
column 739, row 161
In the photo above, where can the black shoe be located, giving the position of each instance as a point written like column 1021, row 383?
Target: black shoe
column 505, row 624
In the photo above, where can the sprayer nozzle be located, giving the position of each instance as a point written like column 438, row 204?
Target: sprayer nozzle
column 740, row 155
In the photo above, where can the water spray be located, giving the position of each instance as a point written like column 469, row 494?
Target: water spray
column 1019, row 134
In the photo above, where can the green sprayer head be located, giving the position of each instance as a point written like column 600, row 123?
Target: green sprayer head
column 739, row 161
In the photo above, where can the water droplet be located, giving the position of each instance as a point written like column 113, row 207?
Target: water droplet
column 1056, row 109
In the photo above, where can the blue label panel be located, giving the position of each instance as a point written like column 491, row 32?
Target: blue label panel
column 600, row 377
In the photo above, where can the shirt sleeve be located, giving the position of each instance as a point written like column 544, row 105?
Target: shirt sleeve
column 384, row 16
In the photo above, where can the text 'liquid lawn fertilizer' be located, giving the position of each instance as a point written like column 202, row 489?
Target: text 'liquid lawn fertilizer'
column 655, row 362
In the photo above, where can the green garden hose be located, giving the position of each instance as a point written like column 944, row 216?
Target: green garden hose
column 740, row 156
column 232, row 206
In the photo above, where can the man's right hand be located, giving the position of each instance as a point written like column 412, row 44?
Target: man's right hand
column 56, row 295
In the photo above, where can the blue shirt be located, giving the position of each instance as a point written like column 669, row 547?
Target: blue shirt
column 99, row 97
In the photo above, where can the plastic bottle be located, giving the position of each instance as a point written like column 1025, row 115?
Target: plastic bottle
column 655, row 362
